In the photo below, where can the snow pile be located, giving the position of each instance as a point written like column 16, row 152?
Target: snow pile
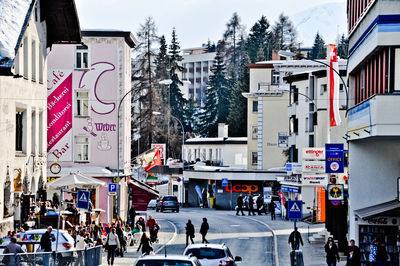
column 330, row 20
column 12, row 17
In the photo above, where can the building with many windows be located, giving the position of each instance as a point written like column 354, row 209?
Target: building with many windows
column 374, row 123
column 86, row 83
column 27, row 30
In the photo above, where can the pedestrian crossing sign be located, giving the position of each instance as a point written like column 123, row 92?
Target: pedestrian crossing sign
column 295, row 208
column 83, row 199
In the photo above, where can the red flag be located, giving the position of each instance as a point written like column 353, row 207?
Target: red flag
column 155, row 161
column 333, row 87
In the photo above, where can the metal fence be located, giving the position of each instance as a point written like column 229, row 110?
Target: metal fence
column 88, row 257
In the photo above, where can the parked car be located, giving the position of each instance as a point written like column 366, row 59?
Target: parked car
column 167, row 260
column 65, row 241
column 212, row 254
column 168, row 203
column 153, row 203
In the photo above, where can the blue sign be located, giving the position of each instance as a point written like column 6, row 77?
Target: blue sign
column 83, row 199
column 224, row 182
column 288, row 167
column 290, row 189
column 334, row 159
column 295, row 209
column 112, row 187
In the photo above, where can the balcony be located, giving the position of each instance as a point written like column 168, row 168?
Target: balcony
column 376, row 117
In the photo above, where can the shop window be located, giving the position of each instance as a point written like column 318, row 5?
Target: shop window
column 82, row 149
column 255, row 106
column 82, row 103
column 254, row 132
column 254, row 158
column 82, row 57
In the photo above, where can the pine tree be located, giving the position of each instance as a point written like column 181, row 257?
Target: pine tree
column 189, row 116
column 343, row 47
column 162, row 61
column 259, row 39
column 211, row 47
column 283, row 34
column 318, row 50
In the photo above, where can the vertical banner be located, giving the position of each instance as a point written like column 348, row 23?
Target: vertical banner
column 333, row 87
column 320, row 204
column 59, row 115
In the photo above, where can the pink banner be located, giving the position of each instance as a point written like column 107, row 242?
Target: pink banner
column 59, row 112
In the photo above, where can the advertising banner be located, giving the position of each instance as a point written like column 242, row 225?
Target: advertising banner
column 161, row 147
column 315, row 167
column 59, row 115
column 320, row 204
column 315, row 180
column 313, row 153
column 334, row 162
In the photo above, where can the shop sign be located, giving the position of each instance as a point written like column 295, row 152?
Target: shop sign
column 176, row 165
column 161, row 148
column 242, row 188
column 313, row 154
column 283, row 139
column 359, row 117
column 315, row 167
column 335, row 192
column 290, row 189
column 293, row 168
column 315, row 180
column 52, row 178
column 291, row 178
column 334, row 162
column 381, row 220
column 321, row 204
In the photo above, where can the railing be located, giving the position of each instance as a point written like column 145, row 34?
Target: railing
column 88, row 257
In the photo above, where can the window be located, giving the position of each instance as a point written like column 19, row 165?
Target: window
column 275, row 77
column 40, row 59
column 81, row 149
column 255, row 106
column 41, row 137
column 311, row 141
column 293, row 125
column 254, row 158
column 311, row 85
column 26, row 58
column 82, row 58
column 254, row 132
column 82, row 103
column 33, row 61
column 33, row 132
column 307, row 125
column 341, row 87
column 19, row 131
column 210, row 154
column 307, row 93
column 324, row 88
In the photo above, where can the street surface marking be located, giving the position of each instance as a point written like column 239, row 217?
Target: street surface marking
column 235, row 225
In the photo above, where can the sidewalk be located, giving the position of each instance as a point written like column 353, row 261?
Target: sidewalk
column 165, row 235
column 313, row 254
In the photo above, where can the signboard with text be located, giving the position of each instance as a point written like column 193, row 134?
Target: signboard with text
column 321, row 204
column 315, row 180
column 313, row 154
column 161, row 148
column 293, row 168
column 334, row 161
column 315, row 167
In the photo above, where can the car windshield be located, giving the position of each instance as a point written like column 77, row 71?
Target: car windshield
column 164, row 263
column 170, row 199
column 206, row 253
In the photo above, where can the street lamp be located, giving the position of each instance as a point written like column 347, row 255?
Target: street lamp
column 183, row 131
column 300, row 56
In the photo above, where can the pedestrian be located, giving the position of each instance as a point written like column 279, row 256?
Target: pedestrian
column 45, row 244
column 382, row 255
column 145, row 244
column 151, row 224
column 271, row 207
column 189, row 232
column 353, row 254
column 373, row 250
column 251, row 207
column 132, row 215
column 239, row 203
column 203, row 230
column 112, row 243
column 260, row 203
column 120, row 234
column 332, row 253
column 56, row 202
column 80, row 246
column 295, row 239
column 140, row 223
column 12, row 248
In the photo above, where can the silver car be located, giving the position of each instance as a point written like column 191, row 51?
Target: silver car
column 212, row 254
column 167, row 260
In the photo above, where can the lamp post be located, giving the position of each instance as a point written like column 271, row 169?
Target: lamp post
column 183, row 131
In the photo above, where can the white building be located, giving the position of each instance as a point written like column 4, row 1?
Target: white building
column 27, row 30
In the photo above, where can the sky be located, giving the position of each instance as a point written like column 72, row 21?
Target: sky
column 196, row 21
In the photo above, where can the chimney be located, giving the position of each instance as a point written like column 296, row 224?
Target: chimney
column 222, row 130
column 275, row 55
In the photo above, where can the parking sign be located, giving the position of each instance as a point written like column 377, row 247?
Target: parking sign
column 112, row 187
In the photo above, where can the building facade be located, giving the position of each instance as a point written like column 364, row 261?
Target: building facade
column 86, row 84
column 24, row 39
column 373, row 123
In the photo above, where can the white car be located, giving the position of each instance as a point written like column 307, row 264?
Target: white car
column 212, row 254
column 167, row 260
column 65, row 241
column 152, row 204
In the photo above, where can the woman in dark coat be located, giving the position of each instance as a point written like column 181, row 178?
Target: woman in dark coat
column 332, row 253
column 203, row 230
column 145, row 244
column 189, row 232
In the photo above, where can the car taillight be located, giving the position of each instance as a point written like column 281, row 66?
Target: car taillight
column 67, row 245
column 226, row 263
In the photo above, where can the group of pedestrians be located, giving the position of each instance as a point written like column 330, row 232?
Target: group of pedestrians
column 241, row 201
column 190, row 232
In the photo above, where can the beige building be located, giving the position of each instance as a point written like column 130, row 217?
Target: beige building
column 267, row 125
column 24, row 38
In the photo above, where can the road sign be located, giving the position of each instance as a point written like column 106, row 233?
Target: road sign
column 225, row 182
column 295, row 208
column 83, row 199
column 334, row 159
column 112, row 187
column 335, row 192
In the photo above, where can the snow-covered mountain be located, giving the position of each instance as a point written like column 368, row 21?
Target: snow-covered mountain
column 330, row 20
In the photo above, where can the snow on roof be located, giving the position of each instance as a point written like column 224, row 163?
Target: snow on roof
column 13, row 14
column 216, row 139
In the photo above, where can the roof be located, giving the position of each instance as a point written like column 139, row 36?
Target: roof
column 163, row 257
column 129, row 38
column 199, row 245
column 229, row 140
column 390, row 208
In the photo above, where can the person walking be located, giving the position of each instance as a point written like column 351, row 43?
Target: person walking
column 112, row 243
column 45, row 244
column 332, row 253
column 251, row 208
column 239, row 203
column 203, row 230
column 132, row 215
column 353, row 254
column 140, row 223
column 271, row 207
column 260, row 203
column 373, row 251
column 382, row 255
column 80, row 247
column 145, row 244
column 295, row 239
column 12, row 248
column 189, row 232
column 151, row 224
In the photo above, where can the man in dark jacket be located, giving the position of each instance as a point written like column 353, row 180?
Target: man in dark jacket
column 120, row 234
column 132, row 215
column 271, row 207
column 45, row 244
column 189, row 232
column 353, row 254
column 260, row 203
column 251, row 208
column 203, row 230
column 239, row 204
column 295, row 239
column 332, row 254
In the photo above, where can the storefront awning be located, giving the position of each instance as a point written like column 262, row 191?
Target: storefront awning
column 390, row 208
column 142, row 194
